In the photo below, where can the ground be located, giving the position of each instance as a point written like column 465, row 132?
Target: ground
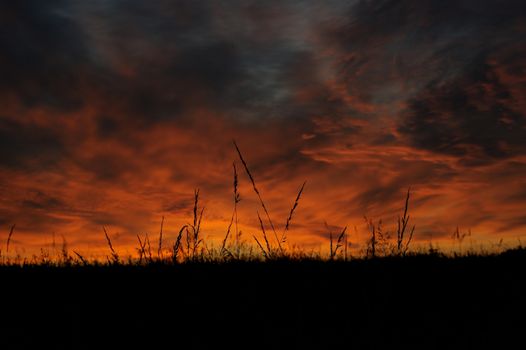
column 424, row 301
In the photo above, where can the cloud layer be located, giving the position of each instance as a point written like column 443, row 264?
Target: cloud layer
column 114, row 111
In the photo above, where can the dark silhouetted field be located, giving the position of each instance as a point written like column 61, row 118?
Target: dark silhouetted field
column 429, row 301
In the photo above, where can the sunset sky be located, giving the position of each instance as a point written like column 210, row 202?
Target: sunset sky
column 113, row 112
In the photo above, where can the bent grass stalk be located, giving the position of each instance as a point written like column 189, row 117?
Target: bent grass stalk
column 114, row 256
column 177, row 245
column 81, row 258
column 258, row 194
column 9, row 238
column 339, row 243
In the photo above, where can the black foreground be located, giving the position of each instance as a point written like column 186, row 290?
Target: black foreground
column 428, row 302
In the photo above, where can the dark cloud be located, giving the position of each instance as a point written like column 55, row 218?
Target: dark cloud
column 445, row 63
column 514, row 223
column 418, row 174
column 36, row 200
column 109, row 166
column 43, row 54
column 107, row 126
column 471, row 116
column 28, row 146
column 165, row 60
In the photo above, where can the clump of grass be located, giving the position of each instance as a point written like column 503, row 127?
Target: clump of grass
column 371, row 247
column 142, row 249
column 380, row 240
column 378, row 243
column 66, row 258
column 459, row 237
column 149, row 247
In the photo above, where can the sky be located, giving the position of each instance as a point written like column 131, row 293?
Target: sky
column 114, row 111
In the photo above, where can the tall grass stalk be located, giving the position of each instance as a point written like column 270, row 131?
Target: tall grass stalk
column 192, row 238
column 294, row 206
column 160, row 249
column 233, row 220
column 269, row 252
column 402, row 247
